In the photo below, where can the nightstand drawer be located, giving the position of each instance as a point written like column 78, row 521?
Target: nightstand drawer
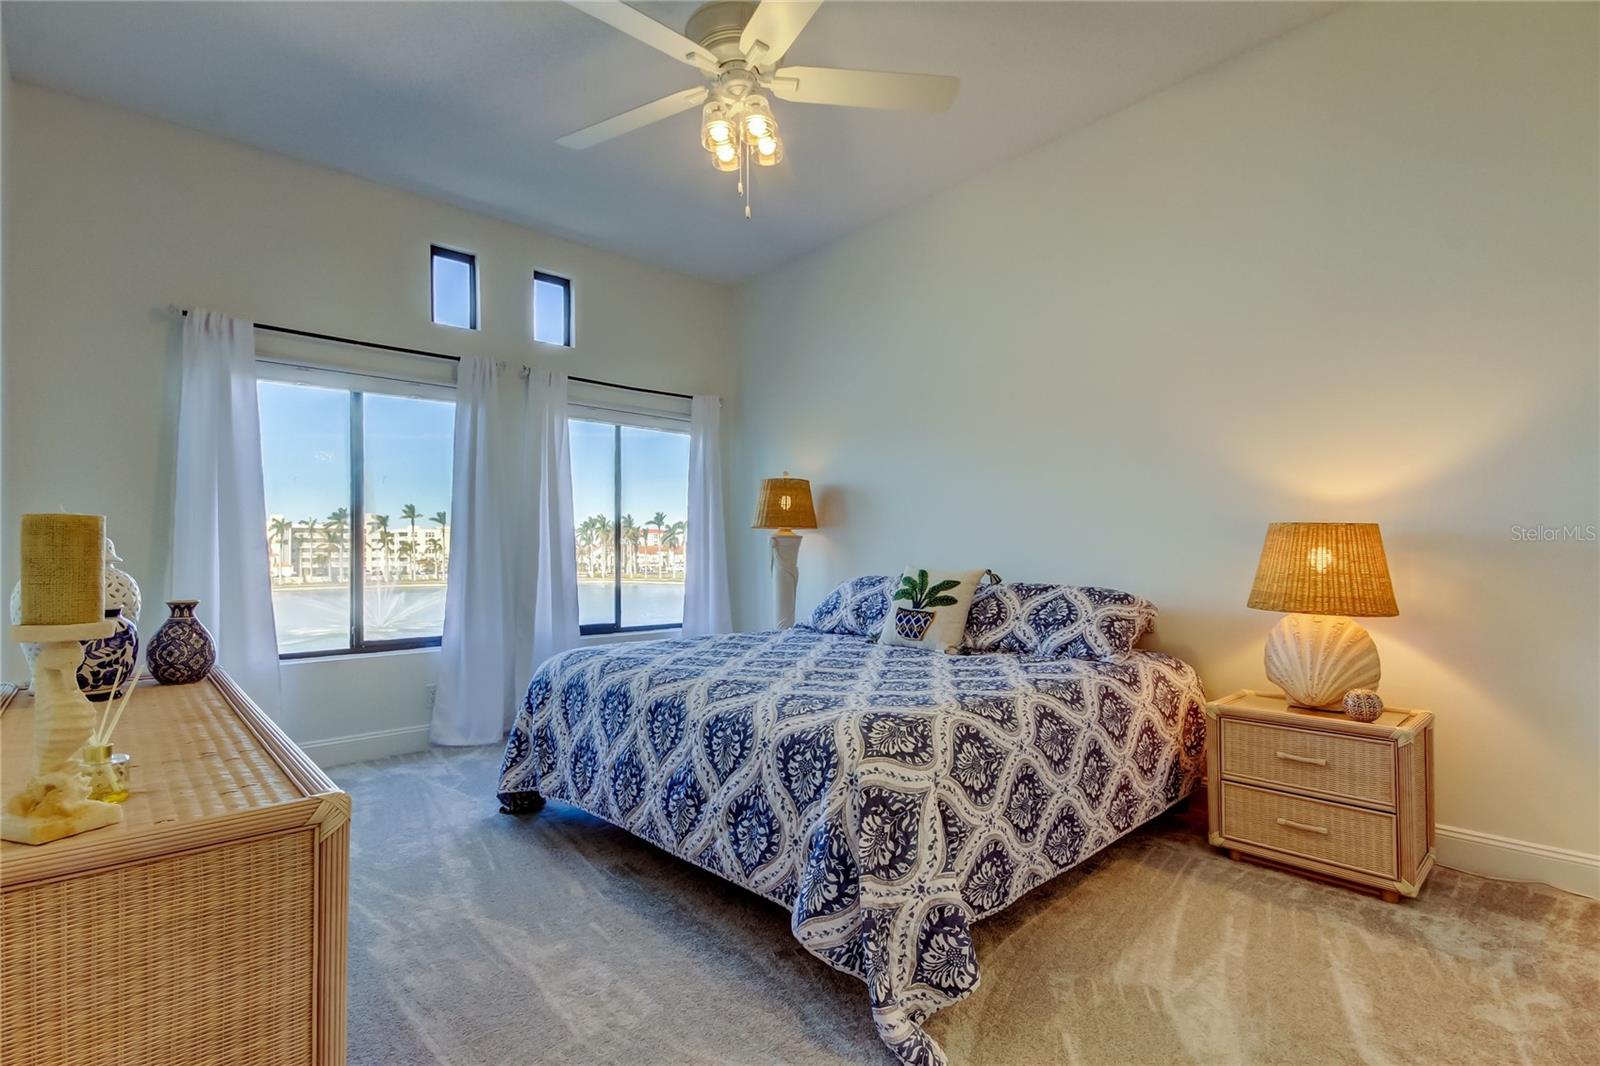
column 1351, row 767
column 1360, row 839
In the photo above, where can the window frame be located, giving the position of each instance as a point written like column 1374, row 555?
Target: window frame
column 617, row 420
column 568, row 329
column 351, row 381
column 437, row 252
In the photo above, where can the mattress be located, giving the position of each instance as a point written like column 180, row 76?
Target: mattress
column 887, row 797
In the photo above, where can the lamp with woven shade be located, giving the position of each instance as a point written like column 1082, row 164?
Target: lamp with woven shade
column 1323, row 573
column 784, row 505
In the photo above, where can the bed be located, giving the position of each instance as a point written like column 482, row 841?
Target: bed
column 887, row 797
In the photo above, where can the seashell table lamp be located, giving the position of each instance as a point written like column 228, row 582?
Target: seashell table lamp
column 1324, row 574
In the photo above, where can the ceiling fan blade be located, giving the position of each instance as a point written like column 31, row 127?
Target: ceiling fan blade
column 643, row 28
column 639, row 117
column 865, row 88
column 773, row 28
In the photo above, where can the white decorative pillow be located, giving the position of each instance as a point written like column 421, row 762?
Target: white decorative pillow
column 928, row 609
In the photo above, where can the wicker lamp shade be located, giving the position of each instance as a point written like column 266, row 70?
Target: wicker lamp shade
column 784, row 503
column 1332, row 568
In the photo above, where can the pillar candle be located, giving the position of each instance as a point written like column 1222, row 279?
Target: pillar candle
column 63, row 569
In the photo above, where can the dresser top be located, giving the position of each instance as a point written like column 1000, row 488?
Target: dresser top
column 1274, row 708
column 201, row 754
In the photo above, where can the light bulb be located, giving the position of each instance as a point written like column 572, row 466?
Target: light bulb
column 716, row 128
column 725, row 157
column 725, row 152
column 767, row 146
column 769, row 151
column 756, row 119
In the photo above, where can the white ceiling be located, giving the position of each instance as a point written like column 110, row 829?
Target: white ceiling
column 464, row 102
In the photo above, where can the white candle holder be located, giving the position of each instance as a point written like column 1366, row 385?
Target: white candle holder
column 55, row 802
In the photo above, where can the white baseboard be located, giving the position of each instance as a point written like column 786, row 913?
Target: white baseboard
column 1517, row 860
column 359, row 747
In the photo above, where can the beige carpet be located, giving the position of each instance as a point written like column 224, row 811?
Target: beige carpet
column 479, row 939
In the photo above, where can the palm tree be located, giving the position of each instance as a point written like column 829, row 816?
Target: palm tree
column 338, row 523
column 378, row 527
column 605, row 534
column 588, row 540
column 630, row 545
column 406, row 553
column 672, row 539
column 311, row 542
column 410, row 513
column 280, row 530
column 441, row 519
column 386, row 543
column 658, row 521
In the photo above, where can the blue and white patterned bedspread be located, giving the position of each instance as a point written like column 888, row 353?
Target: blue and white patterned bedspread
column 888, row 797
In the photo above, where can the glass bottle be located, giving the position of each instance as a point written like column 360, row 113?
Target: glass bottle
column 108, row 773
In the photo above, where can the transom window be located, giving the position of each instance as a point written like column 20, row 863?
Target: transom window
column 552, row 309
column 357, row 473
column 630, row 498
column 455, row 288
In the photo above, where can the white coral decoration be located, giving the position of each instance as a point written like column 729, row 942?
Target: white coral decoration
column 121, row 589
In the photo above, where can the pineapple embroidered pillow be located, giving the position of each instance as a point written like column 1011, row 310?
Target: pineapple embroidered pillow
column 928, row 609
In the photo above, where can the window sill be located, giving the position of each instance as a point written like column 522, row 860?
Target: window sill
column 347, row 656
column 627, row 637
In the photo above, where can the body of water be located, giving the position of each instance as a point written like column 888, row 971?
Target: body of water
column 317, row 618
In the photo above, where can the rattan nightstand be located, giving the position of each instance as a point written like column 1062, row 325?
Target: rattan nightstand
column 1320, row 794
column 208, row 926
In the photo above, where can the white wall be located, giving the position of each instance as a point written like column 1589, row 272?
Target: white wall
column 1351, row 275
column 115, row 217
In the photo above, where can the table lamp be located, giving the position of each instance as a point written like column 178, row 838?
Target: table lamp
column 784, row 505
column 1323, row 573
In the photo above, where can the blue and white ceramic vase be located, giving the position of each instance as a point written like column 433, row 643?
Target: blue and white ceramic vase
column 108, row 658
column 182, row 650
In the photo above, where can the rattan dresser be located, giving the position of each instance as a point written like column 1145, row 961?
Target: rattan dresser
column 209, row 927
column 1321, row 794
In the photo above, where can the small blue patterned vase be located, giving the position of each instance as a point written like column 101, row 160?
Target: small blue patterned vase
column 182, row 650
column 106, row 659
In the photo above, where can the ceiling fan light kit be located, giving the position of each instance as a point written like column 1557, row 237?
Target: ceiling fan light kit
column 736, row 45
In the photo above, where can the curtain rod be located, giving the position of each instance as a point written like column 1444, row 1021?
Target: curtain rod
column 184, row 311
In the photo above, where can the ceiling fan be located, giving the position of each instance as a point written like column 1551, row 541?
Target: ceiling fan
column 736, row 45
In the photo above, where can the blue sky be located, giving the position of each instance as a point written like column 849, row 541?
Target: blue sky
column 655, row 472
column 305, row 452
column 305, row 434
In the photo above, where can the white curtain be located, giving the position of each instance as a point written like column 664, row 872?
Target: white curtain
column 219, row 513
column 474, row 701
column 512, row 596
column 552, row 543
column 706, row 603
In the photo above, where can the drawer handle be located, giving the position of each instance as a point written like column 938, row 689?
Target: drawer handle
column 1308, row 760
column 1303, row 826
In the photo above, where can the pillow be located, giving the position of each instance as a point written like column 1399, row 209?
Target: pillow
column 856, row 607
column 928, row 609
column 1057, row 621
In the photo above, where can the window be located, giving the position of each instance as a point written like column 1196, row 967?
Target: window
column 455, row 288
column 630, row 493
column 552, row 309
column 357, row 474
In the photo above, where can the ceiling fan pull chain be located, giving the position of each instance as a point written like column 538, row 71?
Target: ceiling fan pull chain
column 748, row 181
